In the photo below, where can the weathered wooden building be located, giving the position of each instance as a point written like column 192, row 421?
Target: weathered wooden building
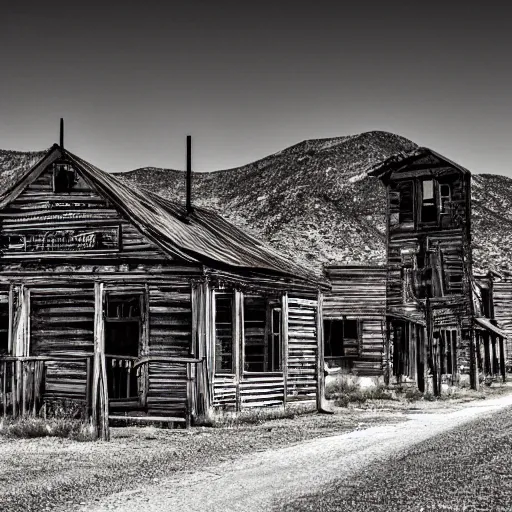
column 493, row 321
column 354, row 313
column 429, row 292
column 133, row 305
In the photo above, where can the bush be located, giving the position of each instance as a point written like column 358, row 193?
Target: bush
column 57, row 418
column 346, row 389
column 226, row 418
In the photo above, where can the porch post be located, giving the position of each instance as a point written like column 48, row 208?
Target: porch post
column 503, row 368
column 284, row 331
column 320, row 353
column 100, row 411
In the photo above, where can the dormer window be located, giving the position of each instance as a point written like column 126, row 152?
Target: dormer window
column 64, row 178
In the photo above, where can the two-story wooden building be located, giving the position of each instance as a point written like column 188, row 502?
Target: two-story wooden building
column 429, row 293
column 132, row 305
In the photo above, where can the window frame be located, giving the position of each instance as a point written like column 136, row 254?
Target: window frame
column 224, row 294
column 70, row 170
column 343, row 356
column 432, row 202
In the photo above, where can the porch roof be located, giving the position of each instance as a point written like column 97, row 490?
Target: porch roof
column 486, row 324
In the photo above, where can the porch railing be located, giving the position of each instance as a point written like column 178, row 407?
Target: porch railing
column 23, row 383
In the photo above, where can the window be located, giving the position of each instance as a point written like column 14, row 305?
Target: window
column 122, row 337
column 4, row 325
column 445, row 197
column 486, row 302
column 64, row 178
column 341, row 338
column 262, row 335
column 428, row 204
column 122, row 324
column 224, row 333
column 406, row 202
column 275, row 345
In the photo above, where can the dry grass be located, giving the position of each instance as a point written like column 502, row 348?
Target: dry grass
column 228, row 418
column 31, row 427
column 347, row 389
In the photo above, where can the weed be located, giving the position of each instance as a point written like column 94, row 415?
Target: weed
column 31, row 427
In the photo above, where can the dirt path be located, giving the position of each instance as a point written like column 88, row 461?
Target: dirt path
column 255, row 482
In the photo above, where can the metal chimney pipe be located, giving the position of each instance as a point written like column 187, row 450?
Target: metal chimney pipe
column 189, row 174
column 61, row 133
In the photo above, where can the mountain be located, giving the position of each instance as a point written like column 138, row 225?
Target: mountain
column 314, row 202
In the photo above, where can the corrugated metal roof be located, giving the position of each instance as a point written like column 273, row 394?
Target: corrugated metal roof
column 202, row 235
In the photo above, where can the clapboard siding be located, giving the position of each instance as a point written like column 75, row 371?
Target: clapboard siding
column 170, row 320
column 258, row 390
column 359, row 291
column 302, row 349
column 502, row 298
column 38, row 210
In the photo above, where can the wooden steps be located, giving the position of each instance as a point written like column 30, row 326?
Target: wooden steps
column 169, row 421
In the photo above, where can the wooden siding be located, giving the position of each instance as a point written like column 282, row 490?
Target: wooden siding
column 502, row 298
column 38, row 210
column 356, row 291
column 62, row 323
column 302, row 349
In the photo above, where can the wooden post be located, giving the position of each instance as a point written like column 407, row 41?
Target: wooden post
column 320, row 353
column 473, row 363
column 238, row 343
column 99, row 382
column 387, row 367
column 284, row 331
column 503, row 369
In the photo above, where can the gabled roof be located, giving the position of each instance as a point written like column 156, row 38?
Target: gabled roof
column 399, row 160
column 202, row 236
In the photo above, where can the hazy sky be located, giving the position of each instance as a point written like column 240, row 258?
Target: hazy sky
column 247, row 79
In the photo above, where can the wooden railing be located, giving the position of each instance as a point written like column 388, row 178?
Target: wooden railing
column 122, row 376
column 23, row 383
column 26, row 383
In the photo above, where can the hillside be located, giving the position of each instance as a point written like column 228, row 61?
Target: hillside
column 314, row 202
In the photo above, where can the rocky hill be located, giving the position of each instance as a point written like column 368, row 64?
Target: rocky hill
column 315, row 203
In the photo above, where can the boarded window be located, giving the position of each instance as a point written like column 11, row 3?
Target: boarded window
column 224, row 333
column 406, row 202
column 262, row 335
column 428, row 204
column 341, row 338
column 64, row 178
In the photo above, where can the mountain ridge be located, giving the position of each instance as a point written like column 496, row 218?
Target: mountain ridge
column 314, row 201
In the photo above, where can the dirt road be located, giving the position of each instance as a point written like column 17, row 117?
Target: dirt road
column 258, row 481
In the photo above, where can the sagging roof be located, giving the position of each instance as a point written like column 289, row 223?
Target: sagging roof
column 403, row 158
column 201, row 235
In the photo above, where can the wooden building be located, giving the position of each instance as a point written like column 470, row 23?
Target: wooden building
column 354, row 313
column 429, row 292
column 493, row 323
column 131, row 305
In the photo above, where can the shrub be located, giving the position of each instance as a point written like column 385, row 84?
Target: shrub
column 227, row 418
column 31, row 427
column 346, row 389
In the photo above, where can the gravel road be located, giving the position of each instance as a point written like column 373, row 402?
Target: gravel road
column 270, row 479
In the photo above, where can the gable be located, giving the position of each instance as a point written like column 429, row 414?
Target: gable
column 60, row 212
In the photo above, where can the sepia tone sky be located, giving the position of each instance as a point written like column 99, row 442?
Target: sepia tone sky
column 247, row 79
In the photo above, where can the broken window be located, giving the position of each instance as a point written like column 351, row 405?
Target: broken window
column 122, row 324
column 406, row 204
column 64, row 178
column 262, row 335
column 445, row 197
column 224, row 333
column 428, row 204
column 341, row 338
